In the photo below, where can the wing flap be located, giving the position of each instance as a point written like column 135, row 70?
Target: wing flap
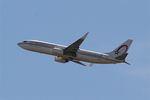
column 81, row 63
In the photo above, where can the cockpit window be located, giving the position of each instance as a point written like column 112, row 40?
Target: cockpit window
column 25, row 41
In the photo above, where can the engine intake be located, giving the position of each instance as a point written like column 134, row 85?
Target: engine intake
column 60, row 60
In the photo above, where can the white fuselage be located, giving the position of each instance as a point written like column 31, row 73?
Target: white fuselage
column 57, row 50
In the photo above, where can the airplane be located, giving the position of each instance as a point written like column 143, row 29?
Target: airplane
column 74, row 54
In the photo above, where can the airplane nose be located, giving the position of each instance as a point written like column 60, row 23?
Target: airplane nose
column 19, row 44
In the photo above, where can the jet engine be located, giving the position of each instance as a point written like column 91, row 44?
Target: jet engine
column 60, row 60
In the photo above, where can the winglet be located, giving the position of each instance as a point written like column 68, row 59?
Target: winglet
column 85, row 36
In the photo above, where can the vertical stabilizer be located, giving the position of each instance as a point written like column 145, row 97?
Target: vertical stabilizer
column 120, row 53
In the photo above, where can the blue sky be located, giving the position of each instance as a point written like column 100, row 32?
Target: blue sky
column 26, row 75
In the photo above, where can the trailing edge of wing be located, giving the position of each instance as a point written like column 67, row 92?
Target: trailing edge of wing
column 83, row 64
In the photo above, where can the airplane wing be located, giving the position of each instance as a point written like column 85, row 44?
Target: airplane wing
column 78, row 62
column 73, row 48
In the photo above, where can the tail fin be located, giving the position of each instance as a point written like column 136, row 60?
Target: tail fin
column 120, row 53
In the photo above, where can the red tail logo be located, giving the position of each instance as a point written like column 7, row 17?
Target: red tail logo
column 121, row 50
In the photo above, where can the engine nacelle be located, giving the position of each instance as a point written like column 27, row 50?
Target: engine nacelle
column 60, row 60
